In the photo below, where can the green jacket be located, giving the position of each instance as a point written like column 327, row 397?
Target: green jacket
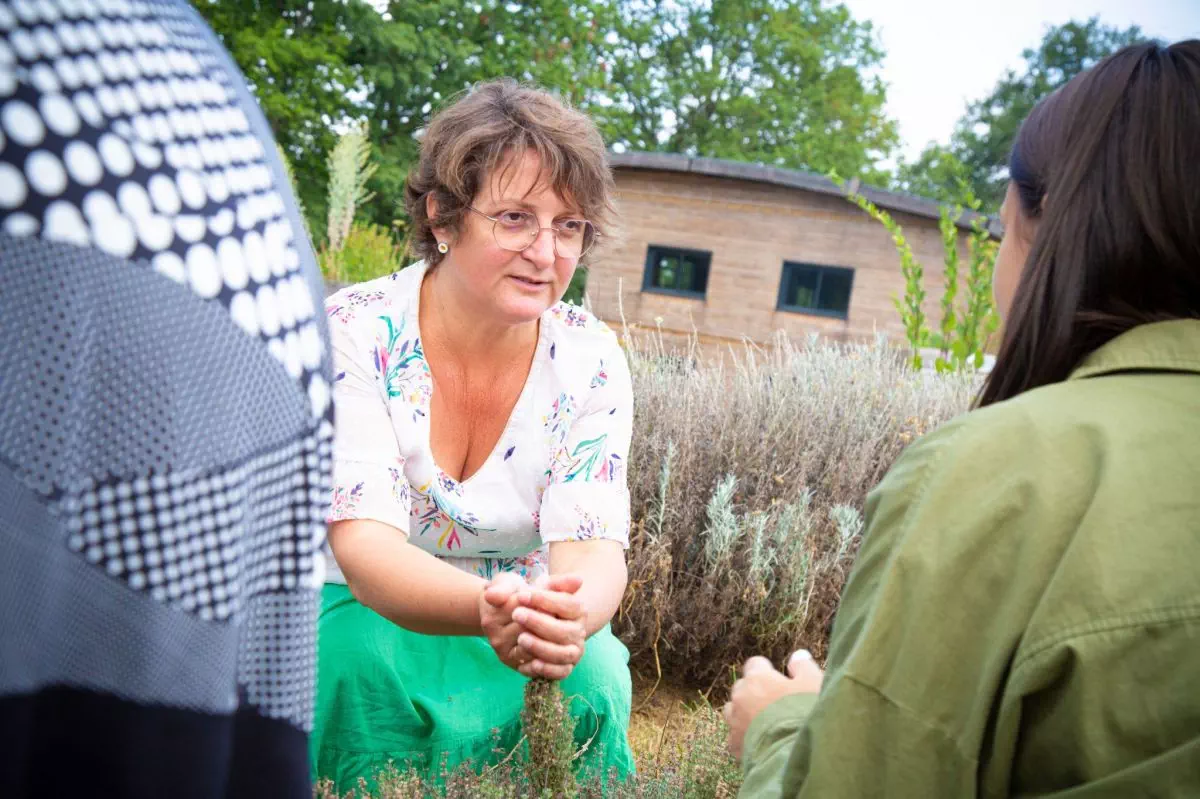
column 1024, row 616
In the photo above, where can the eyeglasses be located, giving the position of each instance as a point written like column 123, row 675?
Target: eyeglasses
column 516, row 230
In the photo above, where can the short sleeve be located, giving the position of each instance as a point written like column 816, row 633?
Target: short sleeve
column 588, row 493
column 368, row 469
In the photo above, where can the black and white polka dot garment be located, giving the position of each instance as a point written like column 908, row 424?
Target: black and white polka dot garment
column 165, row 415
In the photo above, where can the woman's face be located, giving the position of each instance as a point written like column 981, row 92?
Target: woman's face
column 1014, row 250
column 516, row 286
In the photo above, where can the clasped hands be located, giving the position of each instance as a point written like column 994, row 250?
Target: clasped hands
column 538, row 630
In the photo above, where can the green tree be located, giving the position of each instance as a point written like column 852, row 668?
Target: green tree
column 937, row 174
column 780, row 83
column 783, row 83
column 317, row 67
column 294, row 56
column 984, row 136
column 429, row 52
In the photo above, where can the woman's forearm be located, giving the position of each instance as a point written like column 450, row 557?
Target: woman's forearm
column 404, row 584
column 601, row 564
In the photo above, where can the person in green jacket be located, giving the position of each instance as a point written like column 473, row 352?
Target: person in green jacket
column 1024, row 615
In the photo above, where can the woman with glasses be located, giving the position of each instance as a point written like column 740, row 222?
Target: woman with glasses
column 480, row 509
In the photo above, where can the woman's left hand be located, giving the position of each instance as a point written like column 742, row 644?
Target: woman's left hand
column 554, row 624
column 761, row 685
column 497, row 601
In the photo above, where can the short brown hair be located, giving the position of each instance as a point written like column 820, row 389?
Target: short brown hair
column 470, row 139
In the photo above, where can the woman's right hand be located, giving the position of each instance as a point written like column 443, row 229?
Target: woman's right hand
column 503, row 595
column 497, row 601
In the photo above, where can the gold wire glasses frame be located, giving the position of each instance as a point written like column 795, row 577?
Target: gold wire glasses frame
column 522, row 229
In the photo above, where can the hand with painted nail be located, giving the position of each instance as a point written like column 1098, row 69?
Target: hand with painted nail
column 553, row 626
column 761, row 685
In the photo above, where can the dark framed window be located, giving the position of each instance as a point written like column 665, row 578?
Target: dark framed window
column 672, row 270
column 812, row 289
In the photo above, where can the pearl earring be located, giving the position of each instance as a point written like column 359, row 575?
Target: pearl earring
column 443, row 247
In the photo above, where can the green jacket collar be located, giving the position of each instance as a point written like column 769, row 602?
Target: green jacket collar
column 1159, row 347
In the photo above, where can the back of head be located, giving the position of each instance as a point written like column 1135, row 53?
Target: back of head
column 1108, row 167
column 472, row 141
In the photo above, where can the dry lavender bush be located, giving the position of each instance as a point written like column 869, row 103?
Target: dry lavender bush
column 748, row 485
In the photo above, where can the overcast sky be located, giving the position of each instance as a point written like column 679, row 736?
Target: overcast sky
column 943, row 53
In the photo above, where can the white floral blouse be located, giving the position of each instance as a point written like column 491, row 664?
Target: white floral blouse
column 556, row 474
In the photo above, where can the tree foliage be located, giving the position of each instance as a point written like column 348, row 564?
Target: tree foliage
column 779, row 83
column 783, row 83
column 294, row 57
column 984, row 136
column 421, row 55
column 937, row 174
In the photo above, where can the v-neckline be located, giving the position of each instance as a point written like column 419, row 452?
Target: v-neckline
column 514, row 414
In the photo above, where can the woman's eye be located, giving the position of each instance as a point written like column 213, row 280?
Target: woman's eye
column 571, row 225
column 513, row 218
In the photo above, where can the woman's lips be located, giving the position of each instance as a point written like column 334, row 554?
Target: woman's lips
column 528, row 283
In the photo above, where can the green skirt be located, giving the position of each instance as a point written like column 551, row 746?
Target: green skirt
column 437, row 703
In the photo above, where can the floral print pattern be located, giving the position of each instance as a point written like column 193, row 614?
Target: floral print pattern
column 558, row 421
column 400, row 362
column 611, row 469
column 590, row 461
column 345, row 503
column 528, row 567
column 448, row 484
column 559, row 473
column 590, row 527
column 438, row 516
column 585, row 458
column 574, row 316
column 399, row 487
column 342, row 309
column 600, row 378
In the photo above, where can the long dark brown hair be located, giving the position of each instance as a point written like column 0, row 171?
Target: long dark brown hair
column 1109, row 167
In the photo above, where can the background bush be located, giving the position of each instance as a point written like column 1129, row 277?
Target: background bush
column 748, row 482
column 368, row 251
